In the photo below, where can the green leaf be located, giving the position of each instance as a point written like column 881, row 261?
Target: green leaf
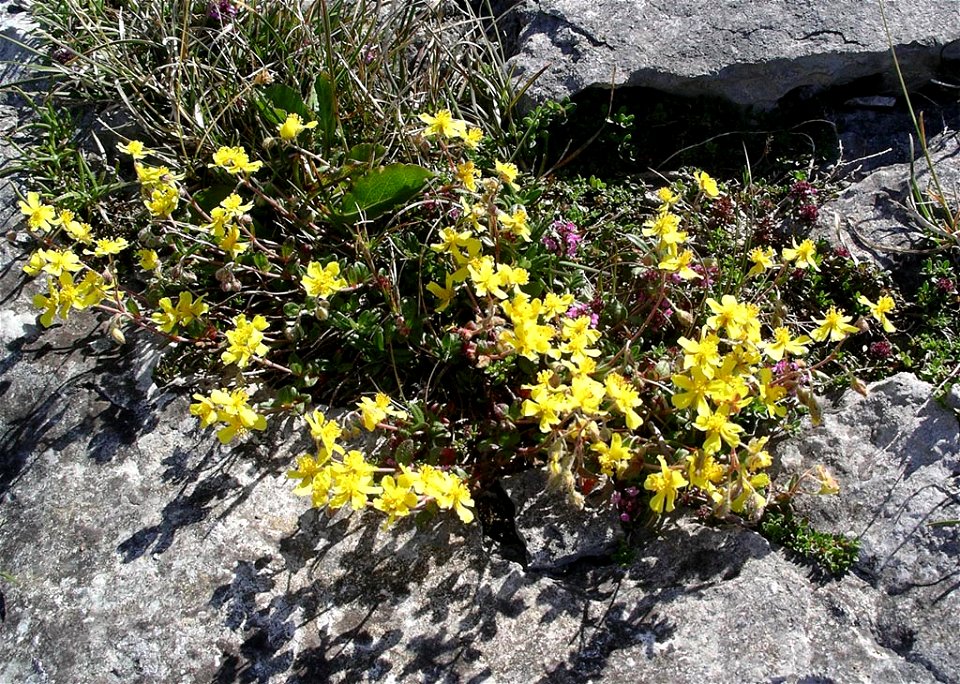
column 212, row 196
column 367, row 153
column 261, row 261
column 324, row 97
column 380, row 190
column 291, row 309
column 287, row 99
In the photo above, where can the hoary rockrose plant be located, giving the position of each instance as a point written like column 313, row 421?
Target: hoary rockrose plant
column 501, row 293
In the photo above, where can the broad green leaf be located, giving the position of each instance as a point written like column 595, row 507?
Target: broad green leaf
column 380, row 190
column 367, row 153
column 284, row 97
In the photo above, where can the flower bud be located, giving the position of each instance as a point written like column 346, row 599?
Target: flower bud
column 322, row 311
column 115, row 332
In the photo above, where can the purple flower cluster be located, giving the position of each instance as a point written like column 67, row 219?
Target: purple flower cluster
column 562, row 238
column 626, row 502
column 947, row 285
column 881, row 349
column 221, row 10
column 591, row 309
column 804, row 196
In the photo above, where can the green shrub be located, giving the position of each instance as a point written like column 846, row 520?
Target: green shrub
column 325, row 214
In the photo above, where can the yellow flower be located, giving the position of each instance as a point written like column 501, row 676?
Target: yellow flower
column 507, row 172
column 245, row 340
column 293, row 126
column 306, row 470
column 325, row 432
column 444, row 125
column 452, row 242
column 186, row 310
column 40, row 216
column 665, row 227
column 445, row 294
column 718, row 426
column 233, row 206
column 695, row 389
column 884, row 305
column 708, row 186
column 109, row 246
column 626, row 398
column 680, row 264
column 704, row 354
column 234, row 160
column 833, row 325
column 322, row 281
column 732, row 315
column 473, row 138
column 78, row 231
column 665, row 485
column 614, row 457
column 135, row 149
column 555, row 305
column 486, row 277
column 164, row 199
column 149, row 176
column 376, row 410
column 802, row 255
column 352, row 481
column 397, row 498
column 668, row 197
column 704, row 472
column 467, row 174
column 516, row 223
column 758, row 457
column 52, row 262
column 232, row 409
column 149, row 260
column 231, row 243
column 784, row 343
column 448, row 490
column 762, row 259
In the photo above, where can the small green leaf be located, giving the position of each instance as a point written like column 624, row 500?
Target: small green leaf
column 291, row 309
column 261, row 261
column 380, row 190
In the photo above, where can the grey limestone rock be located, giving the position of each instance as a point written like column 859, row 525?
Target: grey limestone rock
column 751, row 53
column 872, row 216
column 896, row 455
column 555, row 531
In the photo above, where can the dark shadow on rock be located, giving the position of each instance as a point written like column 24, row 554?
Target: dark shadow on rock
column 622, row 627
column 362, row 574
column 462, row 597
column 184, row 510
column 57, row 396
column 26, row 436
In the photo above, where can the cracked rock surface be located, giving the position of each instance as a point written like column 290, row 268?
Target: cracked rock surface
column 750, row 53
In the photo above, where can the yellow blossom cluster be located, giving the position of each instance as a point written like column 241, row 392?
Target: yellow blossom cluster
column 245, row 341
column 444, row 125
column 672, row 256
column 66, row 293
column 184, row 312
column 231, row 410
column 158, row 184
column 335, row 477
